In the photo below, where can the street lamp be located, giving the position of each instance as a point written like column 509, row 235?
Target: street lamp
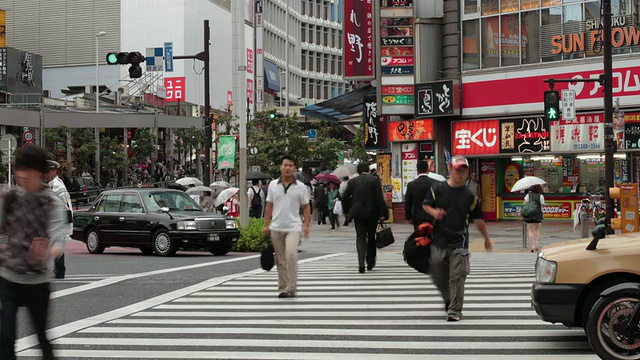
column 97, row 93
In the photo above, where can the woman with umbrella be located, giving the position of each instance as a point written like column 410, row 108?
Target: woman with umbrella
column 333, row 195
column 534, row 194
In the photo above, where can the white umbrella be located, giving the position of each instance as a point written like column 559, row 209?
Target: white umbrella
column 198, row 189
column 527, row 182
column 222, row 184
column 189, row 181
column 354, row 176
column 225, row 195
column 436, row 176
column 344, row 171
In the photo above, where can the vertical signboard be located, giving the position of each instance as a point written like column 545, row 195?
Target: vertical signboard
column 358, row 40
column 437, row 99
column 375, row 126
column 3, row 28
column 409, row 164
column 629, row 207
column 175, row 89
column 488, row 189
column 226, row 152
column 259, row 58
column 383, row 162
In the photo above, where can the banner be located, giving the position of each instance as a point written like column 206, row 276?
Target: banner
column 383, row 162
column 585, row 133
column 551, row 210
column 511, row 175
column 226, row 152
column 478, row 137
column 375, row 126
column 488, row 189
column 409, row 164
column 570, row 171
column 411, row 130
column 358, row 40
column 524, row 136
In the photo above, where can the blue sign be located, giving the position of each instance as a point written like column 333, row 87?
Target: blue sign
column 312, row 133
column 168, row 57
column 397, row 70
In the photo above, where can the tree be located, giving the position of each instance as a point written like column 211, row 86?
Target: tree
column 358, row 151
column 143, row 145
column 82, row 142
column 275, row 138
column 326, row 148
column 112, row 156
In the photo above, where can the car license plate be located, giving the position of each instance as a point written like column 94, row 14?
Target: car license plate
column 214, row 237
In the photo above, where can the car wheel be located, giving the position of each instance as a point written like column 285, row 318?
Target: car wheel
column 94, row 245
column 593, row 296
column 220, row 250
column 606, row 323
column 146, row 250
column 162, row 244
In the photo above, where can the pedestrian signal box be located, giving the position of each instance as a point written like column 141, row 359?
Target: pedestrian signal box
column 551, row 105
column 627, row 195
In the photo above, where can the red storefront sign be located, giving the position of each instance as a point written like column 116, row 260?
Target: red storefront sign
column 358, row 39
column 175, row 89
column 249, row 61
column 476, row 137
column 397, row 90
column 396, row 60
column 530, row 89
column 411, row 130
column 250, row 90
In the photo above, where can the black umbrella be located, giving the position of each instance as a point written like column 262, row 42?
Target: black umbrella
column 256, row 175
column 176, row 186
column 303, row 177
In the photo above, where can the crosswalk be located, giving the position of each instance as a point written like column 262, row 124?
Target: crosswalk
column 83, row 278
column 392, row 312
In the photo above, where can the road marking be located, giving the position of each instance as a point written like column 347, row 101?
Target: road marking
column 468, row 299
column 341, row 322
column 63, row 330
column 320, row 314
column 117, row 279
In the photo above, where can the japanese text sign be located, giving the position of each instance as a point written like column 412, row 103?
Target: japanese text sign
column 358, row 39
column 585, row 133
column 435, row 99
column 475, row 137
column 375, row 129
column 529, row 135
column 411, row 130
column 175, row 89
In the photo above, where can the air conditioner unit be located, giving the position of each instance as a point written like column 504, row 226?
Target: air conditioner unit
column 46, row 93
column 124, row 90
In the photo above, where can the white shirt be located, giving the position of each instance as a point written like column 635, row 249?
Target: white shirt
column 526, row 199
column 250, row 193
column 286, row 205
column 57, row 186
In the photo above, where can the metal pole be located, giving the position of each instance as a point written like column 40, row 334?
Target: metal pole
column 9, row 167
column 207, row 105
column 125, row 174
column 96, row 131
column 608, row 111
column 286, row 59
column 69, row 145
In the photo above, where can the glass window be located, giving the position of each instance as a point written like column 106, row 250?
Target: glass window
column 551, row 16
column 530, row 40
column 510, row 40
column 176, row 201
column 489, row 7
column 470, row 45
column 546, row 3
column 574, row 44
column 131, row 204
column 490, row 42
column 529, row 4
column 592, row 175
column 507, row 6
column 470, row 7
column 592, row 10
column 109, row 203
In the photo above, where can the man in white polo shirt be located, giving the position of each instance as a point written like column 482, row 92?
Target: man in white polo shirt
column 285, row 197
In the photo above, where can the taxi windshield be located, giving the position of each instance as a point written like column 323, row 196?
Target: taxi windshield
column 175, row 201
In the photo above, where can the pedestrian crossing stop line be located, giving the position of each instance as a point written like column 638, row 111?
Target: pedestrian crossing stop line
column 326, row 323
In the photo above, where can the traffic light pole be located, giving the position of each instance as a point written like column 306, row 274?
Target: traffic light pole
column 205, row 56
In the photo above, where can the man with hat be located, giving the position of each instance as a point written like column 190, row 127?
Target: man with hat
column 57, row 186
column 452, row 205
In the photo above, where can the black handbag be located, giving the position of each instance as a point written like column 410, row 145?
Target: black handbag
column 384, row 236
column 267, row 257
column 418, row 257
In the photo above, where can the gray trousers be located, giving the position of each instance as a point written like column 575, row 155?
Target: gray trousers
column 449, row 270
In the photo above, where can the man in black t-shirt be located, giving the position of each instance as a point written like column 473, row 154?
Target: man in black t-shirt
column 452, row 205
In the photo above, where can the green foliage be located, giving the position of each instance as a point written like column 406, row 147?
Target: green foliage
column 326, row 148
column 82, row 141
column 357, row 147
column 143, row 145
column 250, row 237
column 112, row 155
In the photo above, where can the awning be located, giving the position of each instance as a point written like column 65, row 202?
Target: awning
column 271, row 76
column 339, row 107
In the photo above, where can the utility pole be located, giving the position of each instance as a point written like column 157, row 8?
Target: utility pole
column 238, row 51
column 609, row 144
column 205, row 56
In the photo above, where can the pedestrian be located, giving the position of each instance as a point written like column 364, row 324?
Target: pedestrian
column 283, row 222
column 343, row 188
column 452, row 205
column 57, row 186
column 333, row 195
column 320, row 196
column 473, row 185
column 534, row 194
column 363, row 197
column 417, row 190
column 34, row 226
column 255, row 199
column 233, row 206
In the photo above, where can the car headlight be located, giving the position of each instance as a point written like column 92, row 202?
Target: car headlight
column 187, row 225
column 546, row 271
column 231, row 224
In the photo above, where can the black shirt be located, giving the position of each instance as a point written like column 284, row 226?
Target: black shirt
column 461, row 207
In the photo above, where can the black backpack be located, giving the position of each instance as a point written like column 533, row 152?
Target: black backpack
column 256, row 200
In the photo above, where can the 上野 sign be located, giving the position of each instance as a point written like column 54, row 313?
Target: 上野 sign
column 411, row 130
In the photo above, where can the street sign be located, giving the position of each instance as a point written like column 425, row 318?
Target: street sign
column 398, row 99
column 258, row 6
column 168, row 56
column 28, row 136
column 8, row 144
column 312, row 133
column 568, row 104
column 154, row 59
column 253, row 150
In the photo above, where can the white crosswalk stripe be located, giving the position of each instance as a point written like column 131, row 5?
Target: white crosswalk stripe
column 392, row 312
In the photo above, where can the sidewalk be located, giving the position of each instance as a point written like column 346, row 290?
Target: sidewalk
column 506, row 236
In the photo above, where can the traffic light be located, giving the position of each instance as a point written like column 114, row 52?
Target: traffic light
column 551, row 105
column 272, row 116
column 123, row 58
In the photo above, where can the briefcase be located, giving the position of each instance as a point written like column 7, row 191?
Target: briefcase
column 267, row 260
column 384, row 236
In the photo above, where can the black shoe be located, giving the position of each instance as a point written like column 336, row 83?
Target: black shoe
column 361, row 269
column 446, row 305
column 333, row 228
column 283, row 295
column 370, row 267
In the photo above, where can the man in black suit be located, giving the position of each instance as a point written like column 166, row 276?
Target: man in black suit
column 322, row 203
column 363, row 197
column 416, row 193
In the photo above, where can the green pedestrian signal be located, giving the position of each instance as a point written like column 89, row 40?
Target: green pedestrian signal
column 272, row 116
column 551, row 105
